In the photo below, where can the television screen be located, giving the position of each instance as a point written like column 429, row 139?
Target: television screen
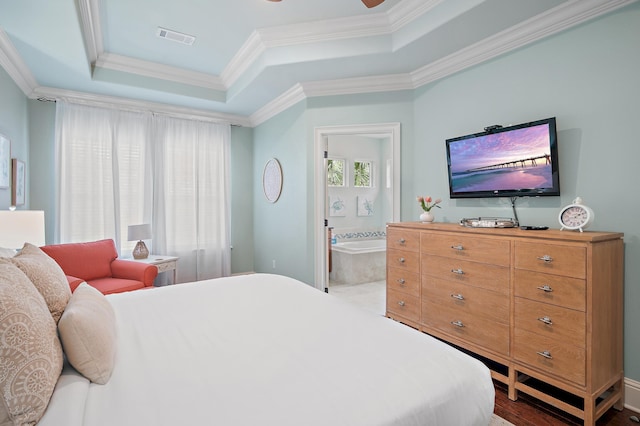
column 514, row 161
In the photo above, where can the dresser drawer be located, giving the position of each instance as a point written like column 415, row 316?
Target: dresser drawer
column 404, row 260
column 496, row 252
column 483, row 275
column 554, row 322
column 489, row 334
column 403, row 304
column 569, row 261
column 562, row 360
column 553, row 289
column 473, row 300
column 403, row 239
column 403, row 281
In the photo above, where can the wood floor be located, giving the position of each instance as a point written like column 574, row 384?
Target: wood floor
column 528, row 411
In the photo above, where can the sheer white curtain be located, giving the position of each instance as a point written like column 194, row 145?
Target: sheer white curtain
column 191, row 194
column 119, row 168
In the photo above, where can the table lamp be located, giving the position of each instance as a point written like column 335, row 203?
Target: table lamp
column 139, row 233
column 21, row 226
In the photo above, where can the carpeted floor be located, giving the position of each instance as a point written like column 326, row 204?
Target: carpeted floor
column 499, row 421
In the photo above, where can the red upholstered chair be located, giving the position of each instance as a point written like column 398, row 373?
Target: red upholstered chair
column 97, row 263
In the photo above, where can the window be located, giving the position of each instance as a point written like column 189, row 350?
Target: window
column 362, row 174
column 336, row 172
column 121, row 168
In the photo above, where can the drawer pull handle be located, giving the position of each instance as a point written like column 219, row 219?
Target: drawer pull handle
column 401, row 281
column 545, row 288
column 402, row 241
column 457, row 323
column 401, row 260
column 458, row 271
column 546, row 258
column 458, row 296
column 458, row 247
column 545, row 354
column 546, row 320
column 401, row 303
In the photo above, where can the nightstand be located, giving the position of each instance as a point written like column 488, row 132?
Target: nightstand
column 163, row 263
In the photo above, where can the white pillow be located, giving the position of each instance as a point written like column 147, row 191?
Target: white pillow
column 7, row 252
column 88, row 333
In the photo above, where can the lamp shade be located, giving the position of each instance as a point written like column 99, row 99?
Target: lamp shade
column 139, row 232
column 21, row 226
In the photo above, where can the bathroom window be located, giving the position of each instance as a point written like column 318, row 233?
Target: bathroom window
column 362, row 174
column 336, row 172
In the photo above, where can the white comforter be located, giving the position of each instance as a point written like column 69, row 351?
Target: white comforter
column 269, row 350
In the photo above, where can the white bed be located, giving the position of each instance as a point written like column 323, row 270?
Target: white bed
column 269, row 350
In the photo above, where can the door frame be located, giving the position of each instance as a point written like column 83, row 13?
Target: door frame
column 321, row 137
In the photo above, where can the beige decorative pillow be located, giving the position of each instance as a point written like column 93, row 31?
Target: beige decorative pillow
column 30, row 352
column 47, row 276
column 88, row 334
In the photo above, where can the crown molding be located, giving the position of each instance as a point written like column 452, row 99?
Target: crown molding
column 553, row 21
column 278, row 105
column 326, row 30
column 159, row 71
column 356, row 85
column 408, row 10
column 562, row 17
column 250, row 51
column 91, row 29
column 137, row 105
column 13, row 64
column 548, row 23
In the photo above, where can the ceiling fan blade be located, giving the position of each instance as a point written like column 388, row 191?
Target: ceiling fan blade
column 372, row 3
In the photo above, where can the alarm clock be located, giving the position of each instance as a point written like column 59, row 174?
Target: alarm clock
column 575, row 216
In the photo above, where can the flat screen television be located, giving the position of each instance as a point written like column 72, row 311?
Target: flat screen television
column 514, row 161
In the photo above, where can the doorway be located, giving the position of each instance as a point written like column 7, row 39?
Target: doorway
column 387, row 131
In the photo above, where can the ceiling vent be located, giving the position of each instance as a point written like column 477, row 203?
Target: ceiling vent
column 175, row 36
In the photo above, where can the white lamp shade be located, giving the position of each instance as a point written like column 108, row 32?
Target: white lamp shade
column 21, row 226
column 139, row 232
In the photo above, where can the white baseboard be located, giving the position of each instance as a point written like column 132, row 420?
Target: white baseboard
column 632, row 395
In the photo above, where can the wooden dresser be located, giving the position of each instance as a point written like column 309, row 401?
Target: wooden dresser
column 543, row 309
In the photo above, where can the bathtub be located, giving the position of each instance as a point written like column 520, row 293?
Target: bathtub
column 356, row 262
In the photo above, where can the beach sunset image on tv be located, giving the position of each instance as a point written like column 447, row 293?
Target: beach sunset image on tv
column 513, row 160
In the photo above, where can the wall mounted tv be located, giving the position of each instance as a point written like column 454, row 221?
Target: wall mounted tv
column 514, row 161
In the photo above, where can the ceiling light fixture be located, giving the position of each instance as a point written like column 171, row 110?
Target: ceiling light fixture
column 175, row 36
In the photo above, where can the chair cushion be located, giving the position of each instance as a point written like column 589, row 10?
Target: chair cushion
column 88, row 334
column 46, row 275
column 30, row 352
column 87, row 261
column 115, row 285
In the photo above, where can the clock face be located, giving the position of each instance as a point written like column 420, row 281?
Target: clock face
column 574, row 216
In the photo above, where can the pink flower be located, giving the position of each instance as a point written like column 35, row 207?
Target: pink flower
column 426, row 204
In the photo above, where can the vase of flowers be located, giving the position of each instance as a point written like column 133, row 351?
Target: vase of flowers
column 427, row 204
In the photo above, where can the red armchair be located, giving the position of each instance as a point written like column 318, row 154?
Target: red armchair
column 97, row 263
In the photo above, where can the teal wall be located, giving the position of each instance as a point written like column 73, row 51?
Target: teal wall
column 242, row 171
column 42, row 123
column 586, row 77
column 13, row 125
column 283, row 231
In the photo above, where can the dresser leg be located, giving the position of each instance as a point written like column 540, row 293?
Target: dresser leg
column 513, row 392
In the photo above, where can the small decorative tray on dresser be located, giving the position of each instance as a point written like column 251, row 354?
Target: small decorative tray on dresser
column 543, row 310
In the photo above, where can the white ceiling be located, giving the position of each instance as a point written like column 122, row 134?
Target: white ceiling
column 253, row 58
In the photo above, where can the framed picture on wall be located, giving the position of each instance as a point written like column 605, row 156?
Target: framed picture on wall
column 365, row 206
column 18, row 182
column 5, row 161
